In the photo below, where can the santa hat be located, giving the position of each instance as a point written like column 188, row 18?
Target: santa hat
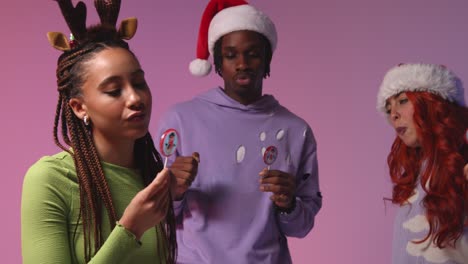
column 222, row 17
column 419, row 77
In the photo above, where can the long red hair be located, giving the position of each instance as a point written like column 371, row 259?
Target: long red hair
column 438, row 164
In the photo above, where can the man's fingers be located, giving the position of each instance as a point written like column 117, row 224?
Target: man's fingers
column 187, row 167
column 183, row 182
column 281, row 198
column 178, row 174
column 277, row 181
column 273, row 184
column 276, row 189
column 196, row 156
column 187, row 160
column 273, row 173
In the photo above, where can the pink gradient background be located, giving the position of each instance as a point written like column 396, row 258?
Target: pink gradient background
column 330, row 60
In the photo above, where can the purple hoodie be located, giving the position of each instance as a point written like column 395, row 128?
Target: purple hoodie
column 224, row 217
column 411, row 225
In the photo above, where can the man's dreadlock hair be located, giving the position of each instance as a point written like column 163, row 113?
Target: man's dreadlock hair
column 218, row 55
column 93, row 188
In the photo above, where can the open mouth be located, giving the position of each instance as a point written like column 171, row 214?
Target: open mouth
column 401, row 130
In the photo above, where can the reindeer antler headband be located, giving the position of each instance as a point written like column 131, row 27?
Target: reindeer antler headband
column 108, row 11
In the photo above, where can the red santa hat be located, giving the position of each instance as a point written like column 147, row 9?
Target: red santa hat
column 421, row 77
column 222, row 17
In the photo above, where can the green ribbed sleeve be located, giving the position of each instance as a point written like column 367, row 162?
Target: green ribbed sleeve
column 50, row 206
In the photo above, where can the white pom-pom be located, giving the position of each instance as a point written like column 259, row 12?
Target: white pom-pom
column 199, row 67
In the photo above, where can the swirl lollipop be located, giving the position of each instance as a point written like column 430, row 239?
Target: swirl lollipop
column 168, row 143
column 270, row 155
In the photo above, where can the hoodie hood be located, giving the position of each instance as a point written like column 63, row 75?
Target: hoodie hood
column 267, row 103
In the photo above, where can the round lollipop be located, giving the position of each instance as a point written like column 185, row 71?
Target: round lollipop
column 270, row 155
column 168, row 143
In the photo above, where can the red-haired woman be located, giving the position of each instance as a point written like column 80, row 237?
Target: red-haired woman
column 425, row 105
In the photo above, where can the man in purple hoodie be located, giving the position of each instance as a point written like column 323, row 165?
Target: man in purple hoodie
column 230, row 208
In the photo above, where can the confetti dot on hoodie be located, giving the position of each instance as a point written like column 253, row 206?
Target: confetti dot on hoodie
column 240, row 154
column 288, row 159
column 433, row 254
column 280, row 134
column 263, row 151
column 262, row 136
column 417, row 224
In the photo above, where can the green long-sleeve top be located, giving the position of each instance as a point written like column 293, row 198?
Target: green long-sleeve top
column 50, row 208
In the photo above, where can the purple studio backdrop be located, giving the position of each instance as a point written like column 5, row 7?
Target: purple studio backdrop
column 330, row 60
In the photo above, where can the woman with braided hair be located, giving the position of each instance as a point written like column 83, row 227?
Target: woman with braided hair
column 425, row 105
column 105, row 198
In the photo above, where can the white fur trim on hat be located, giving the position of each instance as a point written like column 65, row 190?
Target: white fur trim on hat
column 242, row 17
column 420, row 77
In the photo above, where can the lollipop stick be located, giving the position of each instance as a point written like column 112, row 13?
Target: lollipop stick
column 268, row 168
column 165, row 162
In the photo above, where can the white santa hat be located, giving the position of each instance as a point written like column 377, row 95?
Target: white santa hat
column 420, row 77
column 222, row 17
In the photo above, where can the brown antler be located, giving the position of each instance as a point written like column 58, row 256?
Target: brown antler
column 75, row 17
column 108, row 11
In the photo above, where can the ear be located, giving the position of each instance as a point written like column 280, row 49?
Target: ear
column 128, row 28
column 58, row 40
column 78, row 107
